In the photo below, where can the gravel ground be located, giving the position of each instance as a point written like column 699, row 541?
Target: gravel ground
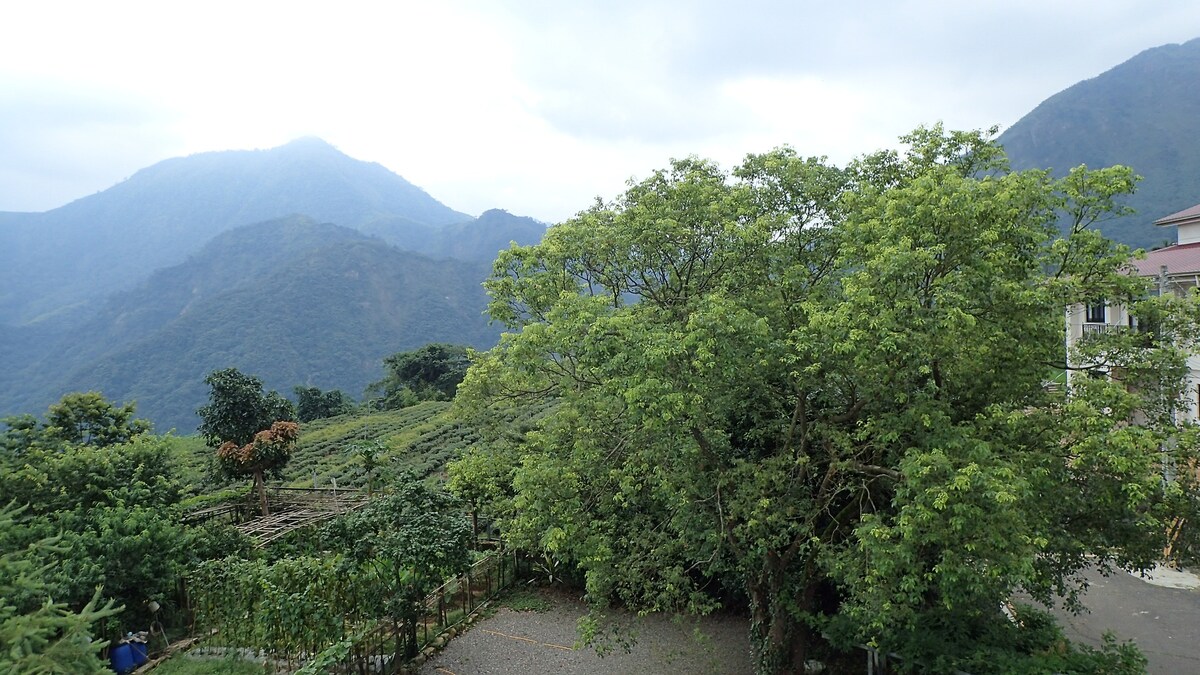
column 544, row 642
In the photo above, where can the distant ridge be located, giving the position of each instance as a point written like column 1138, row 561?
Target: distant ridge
column 1144, row 113
column 298, row 264
column 323, row 311
column 51, row 262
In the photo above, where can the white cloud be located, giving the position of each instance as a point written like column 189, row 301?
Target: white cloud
column 533, row 106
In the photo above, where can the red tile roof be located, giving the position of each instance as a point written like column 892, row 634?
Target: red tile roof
column 1185, row 215
column 1179, row 259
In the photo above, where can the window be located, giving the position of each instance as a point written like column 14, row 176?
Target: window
column 1095, row 313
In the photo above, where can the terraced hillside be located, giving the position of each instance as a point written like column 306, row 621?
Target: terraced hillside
column 422, row 439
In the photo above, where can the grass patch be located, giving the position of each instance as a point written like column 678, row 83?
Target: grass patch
column 526, row 600
column 187, row 665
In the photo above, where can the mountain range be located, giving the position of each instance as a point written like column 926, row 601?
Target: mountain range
column 297, row 264
column 305, row 266
column 1143, row 113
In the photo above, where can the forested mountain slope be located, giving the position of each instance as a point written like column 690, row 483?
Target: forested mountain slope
column 324, row 316
column 1144, row 113
column 52, row 262
column 141, row 289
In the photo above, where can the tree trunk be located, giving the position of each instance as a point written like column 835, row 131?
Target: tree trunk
column 779, row 642
column 402, row 641
column 411, row 647
column 261, row 484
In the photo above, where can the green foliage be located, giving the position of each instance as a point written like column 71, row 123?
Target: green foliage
column 386, row 557
column 333, row 655
column 184, row 664
column 87, row 477
column 136, row 553
column 21, row 433
column 238, row 408
column 415, row 529
column 1031, row 643
column 409, row 541
column 314, row 404
column 251, row 430
column 77, row 419
column 193, row 461
column 368, row 456
column 419, row 439
column 115, row 516
column 37, row 634
column 825, row 385
column 90, row 419
column 293, row 605
column 431, row 373
column 525, row 599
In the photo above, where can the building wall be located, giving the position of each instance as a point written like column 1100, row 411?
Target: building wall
column 1117, row 318
column 1188, row 233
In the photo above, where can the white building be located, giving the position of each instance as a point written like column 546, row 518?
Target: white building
column 1177, row 269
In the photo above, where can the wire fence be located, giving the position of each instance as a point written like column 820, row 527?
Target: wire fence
column 383, row 647
column 448, row 606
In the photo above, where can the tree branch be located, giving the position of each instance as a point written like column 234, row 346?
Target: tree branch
column 873, row 470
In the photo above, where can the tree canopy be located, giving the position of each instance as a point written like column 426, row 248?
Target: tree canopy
column 238, row 408
column 94, row 517
column 252, row 431
column 410, row 540
column 431, row 373
column 90, row 419
column 314, row 404
column 77, row 419
column 44, row 636
column 822, row 388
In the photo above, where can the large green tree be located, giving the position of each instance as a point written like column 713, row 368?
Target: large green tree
column 88, row 418
column 238, row 408
column 823, row 387
column 431, row 373
column 113, row 514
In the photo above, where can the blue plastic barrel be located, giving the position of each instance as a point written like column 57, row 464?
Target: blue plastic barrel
column 140, row 655
column 121, row 657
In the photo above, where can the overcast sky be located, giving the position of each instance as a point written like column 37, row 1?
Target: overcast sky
column 536, row 107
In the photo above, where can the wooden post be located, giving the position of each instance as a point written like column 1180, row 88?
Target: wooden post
column 470, row 594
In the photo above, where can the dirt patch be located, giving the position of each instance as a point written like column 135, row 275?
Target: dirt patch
column 545, row 642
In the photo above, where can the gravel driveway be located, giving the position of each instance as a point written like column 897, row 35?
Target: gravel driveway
column 544, row 642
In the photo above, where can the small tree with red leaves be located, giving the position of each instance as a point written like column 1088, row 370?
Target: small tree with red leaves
column 270, row 449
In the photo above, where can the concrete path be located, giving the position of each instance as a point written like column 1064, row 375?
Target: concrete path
column 1161, row 614
column 544, row 642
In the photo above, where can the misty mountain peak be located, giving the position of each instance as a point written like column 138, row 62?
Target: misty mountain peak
column 1142, row 113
